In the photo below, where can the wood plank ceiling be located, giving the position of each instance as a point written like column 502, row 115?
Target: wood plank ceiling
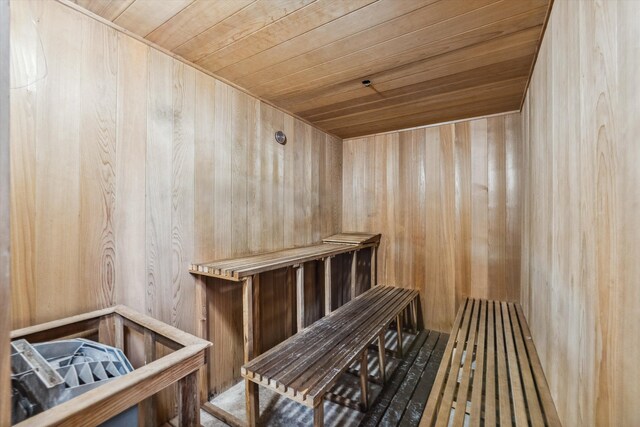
column 428, row 61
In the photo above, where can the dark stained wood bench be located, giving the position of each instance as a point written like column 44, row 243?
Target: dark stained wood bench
column 490, row 373
column 306, row 366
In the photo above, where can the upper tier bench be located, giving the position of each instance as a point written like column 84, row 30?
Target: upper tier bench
column 307, row 365
column 247, row 269
column 490, row 372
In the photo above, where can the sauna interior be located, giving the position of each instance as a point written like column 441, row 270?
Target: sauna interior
column 319, row 212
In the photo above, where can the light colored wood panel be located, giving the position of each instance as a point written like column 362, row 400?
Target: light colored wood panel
column 289, row 184
column 183, row 286
column 144, row 16
column 131, row 138
column 58, row 189
column 626, row 384
column 243, row 121
column 497, row 208
column 514, row 202
column 193, row 20
column 237, row 26
column 222, row 147
column 98, row 84
column 479, row 209
column 204, row 168
column 25, row 49
column 5, row 225
column 462, row 156
column 158, row 186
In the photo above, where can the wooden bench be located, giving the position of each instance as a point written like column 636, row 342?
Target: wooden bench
column 307, row 365
column 490, row 373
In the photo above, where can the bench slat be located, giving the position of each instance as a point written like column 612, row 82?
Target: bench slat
column 447, row 397
column 436, row 391
column 490, row 379
column 463, row 388
column 504, row 374
column 525, row 370
column 517, row 395
column 551, row 415
column 478, row 376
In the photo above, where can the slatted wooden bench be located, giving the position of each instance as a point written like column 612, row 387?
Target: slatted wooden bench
column 490, row 373
column 307, row 365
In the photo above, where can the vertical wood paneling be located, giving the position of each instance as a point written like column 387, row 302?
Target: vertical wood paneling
column 580, row 187
column 183, row 197
column 479, row 209
column 25, row 49
column 130, row 165
column 98, row 86
column 158, row 189
column 446, row 201
column 131, row 140
column 58, row 198
column 5, row 226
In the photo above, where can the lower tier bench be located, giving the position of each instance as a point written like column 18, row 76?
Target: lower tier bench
column 306, row 366
column 490, row 373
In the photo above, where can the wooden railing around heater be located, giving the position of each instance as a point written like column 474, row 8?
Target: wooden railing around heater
column 138, row 387
column 490, row 373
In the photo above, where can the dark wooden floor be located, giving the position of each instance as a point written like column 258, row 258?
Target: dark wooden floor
column 402, row 400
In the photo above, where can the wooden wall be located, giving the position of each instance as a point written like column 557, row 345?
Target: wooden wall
column 128, row 165
column 581, row 234
column 446, row 200
column 5, row 262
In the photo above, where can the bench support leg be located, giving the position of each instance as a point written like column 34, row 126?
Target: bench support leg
column 189, row 401
column 374, row 266
column 252, row 402
column 414, row 315
column 364, row 380
column 300, row 297
column 382, row 353
column 327, row 285
column 354, row 271
column 399, row 328
column 318, row 414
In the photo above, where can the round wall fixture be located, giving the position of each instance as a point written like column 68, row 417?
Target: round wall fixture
column 281, row 138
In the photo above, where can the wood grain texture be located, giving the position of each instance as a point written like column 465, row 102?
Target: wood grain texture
column 129, row 165
column 446, row 200
column 5, row 225
column 580, row 191
column 310, row 57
